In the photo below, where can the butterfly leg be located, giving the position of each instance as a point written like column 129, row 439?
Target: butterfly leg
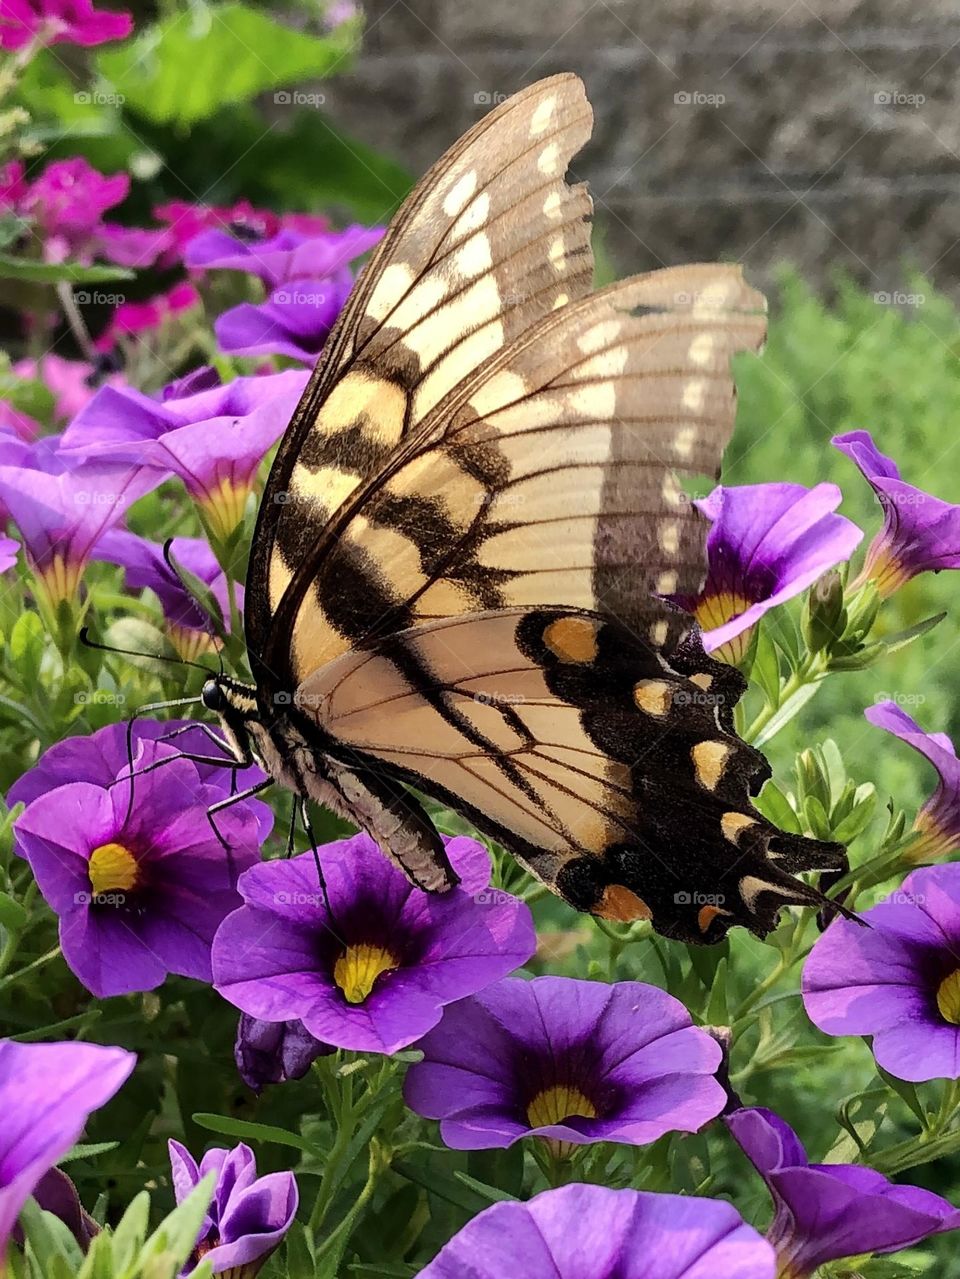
column 308, row 827
column 249, row 793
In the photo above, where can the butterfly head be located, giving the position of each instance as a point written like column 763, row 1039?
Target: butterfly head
column 235, row 704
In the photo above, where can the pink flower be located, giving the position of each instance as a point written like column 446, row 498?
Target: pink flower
column 71, row 382
column 67, row 202
column 58, row 22
column 132, row 318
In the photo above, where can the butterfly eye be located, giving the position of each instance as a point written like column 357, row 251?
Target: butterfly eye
column 212, row 696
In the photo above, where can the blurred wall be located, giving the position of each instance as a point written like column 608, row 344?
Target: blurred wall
column 823, row 133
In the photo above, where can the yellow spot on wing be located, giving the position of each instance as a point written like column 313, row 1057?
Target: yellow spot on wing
column 709, row 760
column 572, row 639
column 653, row 696
column 733, row 823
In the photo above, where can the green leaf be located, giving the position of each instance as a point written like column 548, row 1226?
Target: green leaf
column 447, row 1188
column 491, row 1193
column 774, row 805
column 176, row 1235
column 26, row 647
column 717, row 1012
column 907, row 1092
column 127, row 1239
column 856, row 822
column 50, row 1241
column 186, row 68
column 89, row 1151
column 766, row 667
column 12, row 914
column 201, row 594
column 33, row 272
column 247, row 1130
column 902, row 638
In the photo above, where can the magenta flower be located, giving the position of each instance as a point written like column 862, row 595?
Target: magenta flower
column 590, row 1232
column 131, row 319
column 139, row 894
column 188, row 627
column 271, row 1052
column 898, row 980
column 920, row 532
column 62, row 516
column 824, row 1212
column 767, row 544
column 47, row 1092
column 938, row 821
column 214, row 439
column 73, row 383
column 308, row 279
column 377, row 975
column 185, row 221
column 67, row 202
column 570, row 1061
column 249, row 1215
column 59, row 22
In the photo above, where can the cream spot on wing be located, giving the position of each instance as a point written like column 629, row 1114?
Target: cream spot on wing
column 474, row 217
column 709, row 761
column 474, row 258
column 667, row 582
column 392, row 285
column 684, row 441
column 557, row 252
column 751, row 886
column 553, row 205
column 597, row 401
column 572, row 639
column 733, row 823
column 713, row 298
column 456, row 198
column 540, row 120
column 561, row 300
column 548, row 161
column 694, row 394
column 702, row 680
column 701, row 349
column 653, row 696
column 671, row 492
column 669, row 536
column 659, row 631
column 599, row 336
column 500, row 390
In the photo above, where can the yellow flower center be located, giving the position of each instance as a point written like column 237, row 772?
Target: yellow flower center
column 112, row 869
column 554, row 1105
column 59, row 580
column 712, row 611
column 224, row 506
column 948, row 998
column 358, row 968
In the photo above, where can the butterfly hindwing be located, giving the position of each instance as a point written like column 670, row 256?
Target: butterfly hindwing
column 612, row 775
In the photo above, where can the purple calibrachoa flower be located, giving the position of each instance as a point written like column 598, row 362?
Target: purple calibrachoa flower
column 58, row 22
column 271, row 1052
column 920, row 532
column 8, row 553
column 767, row 544
column 188, row 627
column 139, row 895
column 566, row 1060
column 307, row 277
column 102, row 757
column 249, row 1215
column 47, row 1091
column 899, row 979
column 213, row 439
column 62, row 516
column 375, row 976
column 938, row 821
column 591, row 1232
column 825, row 1212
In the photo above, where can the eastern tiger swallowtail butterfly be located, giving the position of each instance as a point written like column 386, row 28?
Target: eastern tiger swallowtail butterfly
column 456, row 579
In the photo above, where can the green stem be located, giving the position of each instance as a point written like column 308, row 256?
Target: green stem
column 810, row 671
column 339, row 1092
column 22, row 972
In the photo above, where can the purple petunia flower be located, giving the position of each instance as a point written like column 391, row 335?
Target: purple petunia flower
column 767, row 544
column 139, row 894
column 307, row 276
column 376, row 975
column 824, row 1212
column 899, row 979
column 249, row 1215
column 47, row 1091
column 58, row 22
column 188, row 627
column 938, row 821
column 591, row 1232
column 271, row 1052
column 570, row 1061
column 62, row 516
column 920, row 532
column 213, row 439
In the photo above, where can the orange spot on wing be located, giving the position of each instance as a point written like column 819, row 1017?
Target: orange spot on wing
column 620, row 904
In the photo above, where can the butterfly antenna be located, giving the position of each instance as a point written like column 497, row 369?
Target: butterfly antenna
column 87, row 642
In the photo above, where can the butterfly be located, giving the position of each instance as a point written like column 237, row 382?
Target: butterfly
column 457, row 573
